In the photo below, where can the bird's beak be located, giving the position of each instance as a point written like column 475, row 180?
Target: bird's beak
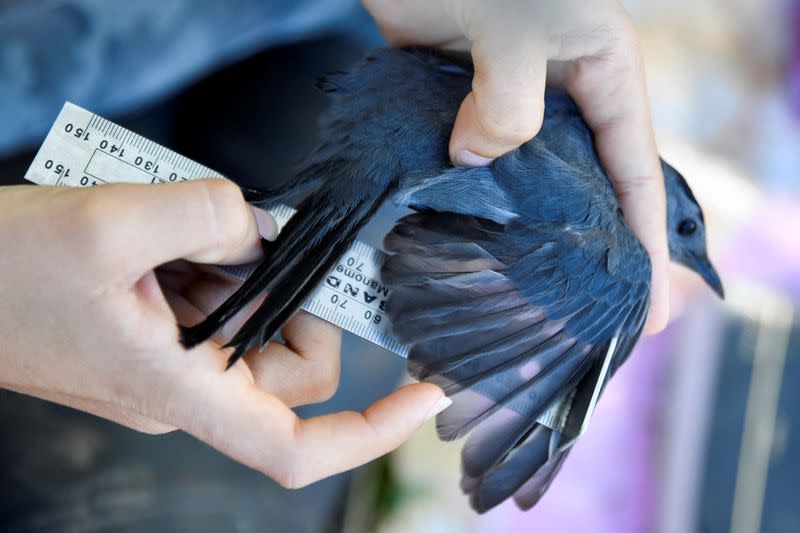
column 703, row 266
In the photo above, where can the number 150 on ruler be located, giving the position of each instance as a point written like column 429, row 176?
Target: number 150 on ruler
column 84, row 149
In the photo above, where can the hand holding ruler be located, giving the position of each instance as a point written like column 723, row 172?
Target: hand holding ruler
column 85, row 150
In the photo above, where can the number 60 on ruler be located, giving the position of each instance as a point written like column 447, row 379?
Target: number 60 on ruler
column 83, row 149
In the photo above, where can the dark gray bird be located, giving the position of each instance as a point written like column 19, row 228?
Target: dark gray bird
column 512, row 282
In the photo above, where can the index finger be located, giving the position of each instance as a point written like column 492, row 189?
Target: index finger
column 257, row 429
column 506, row 105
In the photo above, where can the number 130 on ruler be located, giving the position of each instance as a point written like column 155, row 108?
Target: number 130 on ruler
column 83, row 150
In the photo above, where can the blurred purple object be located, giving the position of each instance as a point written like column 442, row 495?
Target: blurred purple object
column 767, row 249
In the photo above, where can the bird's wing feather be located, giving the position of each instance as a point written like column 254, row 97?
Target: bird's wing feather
column 307, row 248
column 507, row 319
column 525, row 473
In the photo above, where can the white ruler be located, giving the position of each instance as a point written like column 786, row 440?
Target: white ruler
column 83, row 150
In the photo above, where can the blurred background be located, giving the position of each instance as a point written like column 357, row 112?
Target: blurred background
column 699, row 431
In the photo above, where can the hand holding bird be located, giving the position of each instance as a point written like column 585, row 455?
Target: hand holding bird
column 512, row 282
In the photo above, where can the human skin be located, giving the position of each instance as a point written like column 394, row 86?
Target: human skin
column 94, row 280
column 89, row 321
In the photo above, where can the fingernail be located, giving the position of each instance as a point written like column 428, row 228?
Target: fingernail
column 441, row 404
column 267, row 227
column 467, row 158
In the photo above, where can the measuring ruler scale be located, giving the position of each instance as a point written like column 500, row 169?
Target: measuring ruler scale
column 85, row 150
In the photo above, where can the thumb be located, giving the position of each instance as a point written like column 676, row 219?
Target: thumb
column 506, row 105
column 381, row 428
column 258, row 430
column 205, row 221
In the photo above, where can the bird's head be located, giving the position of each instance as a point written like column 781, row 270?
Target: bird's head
column 686, row 230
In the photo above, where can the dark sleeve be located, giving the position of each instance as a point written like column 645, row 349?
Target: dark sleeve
column 115, row 56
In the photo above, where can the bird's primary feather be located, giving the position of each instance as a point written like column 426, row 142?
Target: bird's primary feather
column 505, row 335
column 512, row 283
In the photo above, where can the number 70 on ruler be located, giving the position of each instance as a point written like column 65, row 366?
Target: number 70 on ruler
column 84, row 149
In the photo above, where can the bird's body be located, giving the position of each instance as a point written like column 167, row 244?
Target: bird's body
column 511, row 282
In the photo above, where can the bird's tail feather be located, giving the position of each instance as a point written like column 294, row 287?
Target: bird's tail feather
column 260, row 280
column 313, row 239
column 292, row 286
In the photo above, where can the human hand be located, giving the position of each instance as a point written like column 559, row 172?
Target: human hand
column 88, row 321
column 599, row 63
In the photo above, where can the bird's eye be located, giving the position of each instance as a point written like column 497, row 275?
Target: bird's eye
column 687, row 227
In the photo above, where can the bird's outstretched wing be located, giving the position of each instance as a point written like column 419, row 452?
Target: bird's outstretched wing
column 507, row 317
